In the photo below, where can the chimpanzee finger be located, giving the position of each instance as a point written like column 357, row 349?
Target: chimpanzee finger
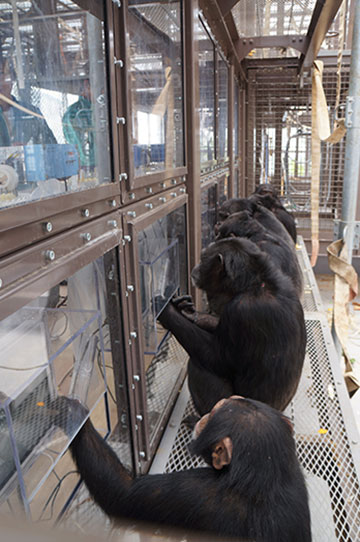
column 180, row 299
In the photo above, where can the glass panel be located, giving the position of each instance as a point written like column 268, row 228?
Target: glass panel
column 208, row 215
column 156, row 85
column 223, row 109
column 223, row 190
column 57, row 345
column 54, row 133
column 163, row 271
column 236, row 120
column 207, row 98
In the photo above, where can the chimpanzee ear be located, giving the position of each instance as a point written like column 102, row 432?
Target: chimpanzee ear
column 222, row 453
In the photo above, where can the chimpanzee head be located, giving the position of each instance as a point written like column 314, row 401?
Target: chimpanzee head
column 253, row 441
column 239, row 224
column 229, row 267
column 264, row 189
column 234, row 205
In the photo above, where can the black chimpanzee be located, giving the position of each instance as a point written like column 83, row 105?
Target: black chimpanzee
column 258, row 212
column 256, row 346
column 283, row 254
column 267, row 195
column 253, row 488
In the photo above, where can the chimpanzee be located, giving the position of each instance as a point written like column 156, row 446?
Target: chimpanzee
column 259, row 212
column 253, row 488
column 267, row 195
column 257, row 345
column 243, row 225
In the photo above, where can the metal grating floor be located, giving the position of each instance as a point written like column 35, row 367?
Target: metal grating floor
column 327, row 439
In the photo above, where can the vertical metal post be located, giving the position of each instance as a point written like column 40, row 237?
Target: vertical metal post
column 352, row 155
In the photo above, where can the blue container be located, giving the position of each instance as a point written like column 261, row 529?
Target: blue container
column 35, row 163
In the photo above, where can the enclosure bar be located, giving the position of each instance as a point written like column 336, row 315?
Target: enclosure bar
column 352, row 155
column 321, row 20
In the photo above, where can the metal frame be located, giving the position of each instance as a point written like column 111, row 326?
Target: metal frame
column 136, row 218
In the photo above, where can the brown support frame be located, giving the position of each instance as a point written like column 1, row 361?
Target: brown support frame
column 231, row 129
column 193, row 135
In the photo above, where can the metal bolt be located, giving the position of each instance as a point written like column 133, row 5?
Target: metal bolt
column 149, row 190
column 118, row 62
column 173, row 181
column 85, row 213
column 355, row 442
column 162, row 199
column 121, row 120
column 48, row 227
column 182, row 190
column 50, row 255
column 132, row 214
column 117, row 3
column 111, row 274
column 127, row 238
column 149, row 205
column 162, row 185
column 131, row 195
column 133, row 334
column 86, row 236
column 1, row 283
column 112, row 223
column 136, row 378
column 130, row 287
column 112, row 203
column 142, row 455
column 173, row 194
column 123, row 176
column 139, row 417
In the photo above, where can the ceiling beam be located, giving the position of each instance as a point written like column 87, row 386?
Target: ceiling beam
column 323, row 15
column 245, row 45
column 226, row 6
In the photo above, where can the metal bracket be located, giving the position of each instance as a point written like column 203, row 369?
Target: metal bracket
column 352, row 113
column 117, row 3
column 356, row 242
column 118, row 62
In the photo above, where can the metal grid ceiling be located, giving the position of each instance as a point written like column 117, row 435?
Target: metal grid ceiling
column 279, row 140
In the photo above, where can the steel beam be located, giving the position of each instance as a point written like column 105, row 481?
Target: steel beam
column 245, row 45
column 323, row 15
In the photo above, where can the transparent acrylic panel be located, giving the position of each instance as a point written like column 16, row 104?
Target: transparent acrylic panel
column 162, row 268
column 163, row 271
column 156, row 68
column 208, row 215
column 223, row 109
column 56, row 345
column 236, row 120
column 54, row 129
column 223, row 190
column 207, row 98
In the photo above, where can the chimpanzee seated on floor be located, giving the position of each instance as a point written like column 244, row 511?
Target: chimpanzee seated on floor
column 258, row 212
column 267, row 195
column 243, row 225
column 253, row 488
column 253, row 341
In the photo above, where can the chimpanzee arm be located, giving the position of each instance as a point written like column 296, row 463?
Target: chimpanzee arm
column 198, row 343
column 185, row 305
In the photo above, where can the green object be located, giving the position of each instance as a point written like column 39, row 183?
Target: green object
column 78, row 130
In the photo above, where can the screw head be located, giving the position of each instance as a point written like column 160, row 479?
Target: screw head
column 85, row 213
column 112, row 203
column 48, row 227
column 112, row 223
column 86, row 237
column 1, row 283
column 50, row 255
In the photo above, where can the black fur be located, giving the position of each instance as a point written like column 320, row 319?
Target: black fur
column 260, row 495
column 283, row 254
column 257, row 348
column 267, row 196
column 257, row 211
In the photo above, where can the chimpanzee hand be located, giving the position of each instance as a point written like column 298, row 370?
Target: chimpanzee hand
column 184, row 303
column 71, row 414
